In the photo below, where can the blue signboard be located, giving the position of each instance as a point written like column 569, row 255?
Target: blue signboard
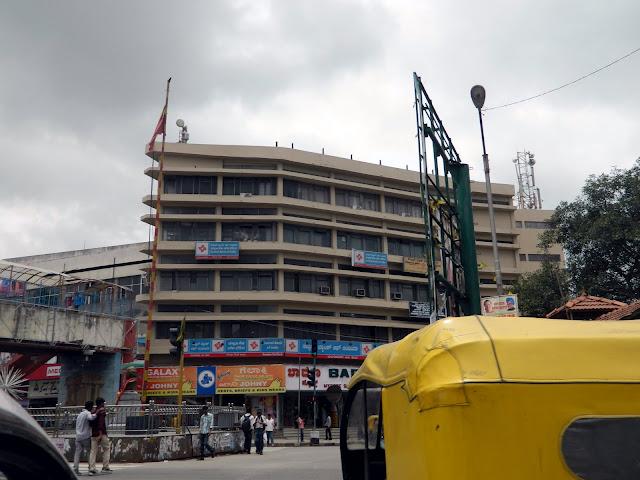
column 217, row 250
column 206, row 385
column 235, row 345
column 366, row 259
column 272, row 345
column 199, row 346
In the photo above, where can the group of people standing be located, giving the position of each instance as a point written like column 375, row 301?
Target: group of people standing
column 257, row 426
column 91, row 432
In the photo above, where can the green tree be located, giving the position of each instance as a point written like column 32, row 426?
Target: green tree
column 541, row 291
column 600, row 233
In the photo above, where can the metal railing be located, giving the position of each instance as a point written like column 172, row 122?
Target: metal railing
column 143, row 419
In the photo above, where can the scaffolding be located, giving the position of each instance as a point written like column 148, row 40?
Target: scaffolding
column 445, row 193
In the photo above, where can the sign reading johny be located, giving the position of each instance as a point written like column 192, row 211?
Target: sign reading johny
column 163, row 381
column 250, row 379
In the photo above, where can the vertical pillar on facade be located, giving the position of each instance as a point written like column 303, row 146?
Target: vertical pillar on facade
column 279, row 186
column 279, row 232
column 280, row 329
column 390, row 335
column 382, row 203
column 216, row 281
column 216, row 330
column 280, row 280
column 332, row 194
column 219, row 185
column 338, row 331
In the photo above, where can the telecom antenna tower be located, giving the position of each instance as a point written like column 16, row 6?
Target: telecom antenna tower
column 528, row 193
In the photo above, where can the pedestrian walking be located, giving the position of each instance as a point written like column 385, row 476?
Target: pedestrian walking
column 327, row 428
column 83, row 434
column 99, row 438
column 259, row 425
column 206, row 422
column 269, row 428
column 246, row 424
column 300, row 422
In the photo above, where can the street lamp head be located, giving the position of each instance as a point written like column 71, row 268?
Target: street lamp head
column 478, row 95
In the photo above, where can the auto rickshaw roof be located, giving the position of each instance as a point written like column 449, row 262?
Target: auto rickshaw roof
column 455, row 351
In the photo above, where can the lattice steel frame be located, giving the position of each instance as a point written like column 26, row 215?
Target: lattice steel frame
column 448, row 217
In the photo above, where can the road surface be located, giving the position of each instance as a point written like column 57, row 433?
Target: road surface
column 282, row 463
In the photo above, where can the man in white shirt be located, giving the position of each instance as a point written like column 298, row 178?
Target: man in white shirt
column 83, row 434
column 327, row 428
column 269, row 427
column 206, row 422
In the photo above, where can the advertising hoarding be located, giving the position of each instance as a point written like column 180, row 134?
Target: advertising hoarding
column 249, row 379
column 366, row 259
column 327, row 376
column 163, row 381
column 500, row 306
column 414, row 264
column 217, row 250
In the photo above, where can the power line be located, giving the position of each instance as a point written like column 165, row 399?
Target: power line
column 566, row 84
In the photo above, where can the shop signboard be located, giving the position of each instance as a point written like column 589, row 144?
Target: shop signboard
column 163, row 381
column 414, row 264
column 234, row 347
column 327, row 375
column 366, row 259
column 43, row 389
column 206, row 381
column 274, row 347
column 50, row 371
column 500, row 306
column 421, row 310
column 217, row 250
column 11, row 288
column 250, row 379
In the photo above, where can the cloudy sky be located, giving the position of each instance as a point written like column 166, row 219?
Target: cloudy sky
column 81, row 87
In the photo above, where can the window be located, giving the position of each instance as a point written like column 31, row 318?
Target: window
column 319, row 237
column 523, row 257
column 355, row 286
column 540, row 225
column 248, row 308
column 359, row 241
column 189, row 210
column 248, row 232
column 248, row 329
column 178, row 259
column 162, row 329
column 370, row 316
column 299, row 311
column 190, row 184
column 518, row 224
column 308, row 283
column 192, row 329
column 251, row 185
column 400, row 333
column 406, row 248
column 186, row 281
column 249, row 211
column 357, row 200
column 307, row 263
column 404, row 207
column 188, row 231
column 306, row 191
column 249, row 166
column 232, row 281
column 254, row 259
column 603, row 448
column 411, row 292
column 170, row 307
column 541, row 257
column 320, row 331
column 363, row 333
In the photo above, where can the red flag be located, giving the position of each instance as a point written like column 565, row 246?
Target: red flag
column 161, row 127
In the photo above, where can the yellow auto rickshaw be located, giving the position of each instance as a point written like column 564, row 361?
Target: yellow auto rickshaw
column 498, row 398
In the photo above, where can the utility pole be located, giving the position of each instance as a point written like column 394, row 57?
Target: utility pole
column 177, row 340
column 314, row 352
column 478, row 96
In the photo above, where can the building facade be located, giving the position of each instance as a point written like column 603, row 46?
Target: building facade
column 297, row 217
column 530, row 224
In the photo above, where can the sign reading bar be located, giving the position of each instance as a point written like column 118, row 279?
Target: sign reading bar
column 500, row 306
column 250, row 379
column 327, row 375
column 419, row 310
column 217, row 250
column 414, row 264
column 366, row 259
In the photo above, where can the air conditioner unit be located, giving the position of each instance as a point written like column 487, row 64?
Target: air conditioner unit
column 359, row 292
column 396, row 296
column 246, row 194
column 324, row 290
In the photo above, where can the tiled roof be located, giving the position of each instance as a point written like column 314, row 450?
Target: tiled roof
column 587, row 302
column 622, row 312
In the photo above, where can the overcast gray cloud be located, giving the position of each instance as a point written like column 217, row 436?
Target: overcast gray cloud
column 82, row 86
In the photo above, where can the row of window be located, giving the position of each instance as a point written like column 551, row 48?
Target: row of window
column 539, row 257
column 269, row 329
column 207, row 185
column 246, row 281
column 532, row 224
column 266, row 232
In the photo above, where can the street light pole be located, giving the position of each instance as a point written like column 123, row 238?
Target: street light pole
column 478, row 95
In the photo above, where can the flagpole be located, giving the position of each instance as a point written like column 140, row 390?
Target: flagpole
column 154, row 253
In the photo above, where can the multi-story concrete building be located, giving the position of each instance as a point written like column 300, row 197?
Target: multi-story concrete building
column 297, row 216
column 530, row 223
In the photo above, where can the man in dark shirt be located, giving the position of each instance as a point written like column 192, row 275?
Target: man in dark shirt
column 99, row 438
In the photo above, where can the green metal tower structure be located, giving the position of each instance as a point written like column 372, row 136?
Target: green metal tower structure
column 445, row 191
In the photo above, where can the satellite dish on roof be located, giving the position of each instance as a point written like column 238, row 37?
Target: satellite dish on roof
column 180, row 123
